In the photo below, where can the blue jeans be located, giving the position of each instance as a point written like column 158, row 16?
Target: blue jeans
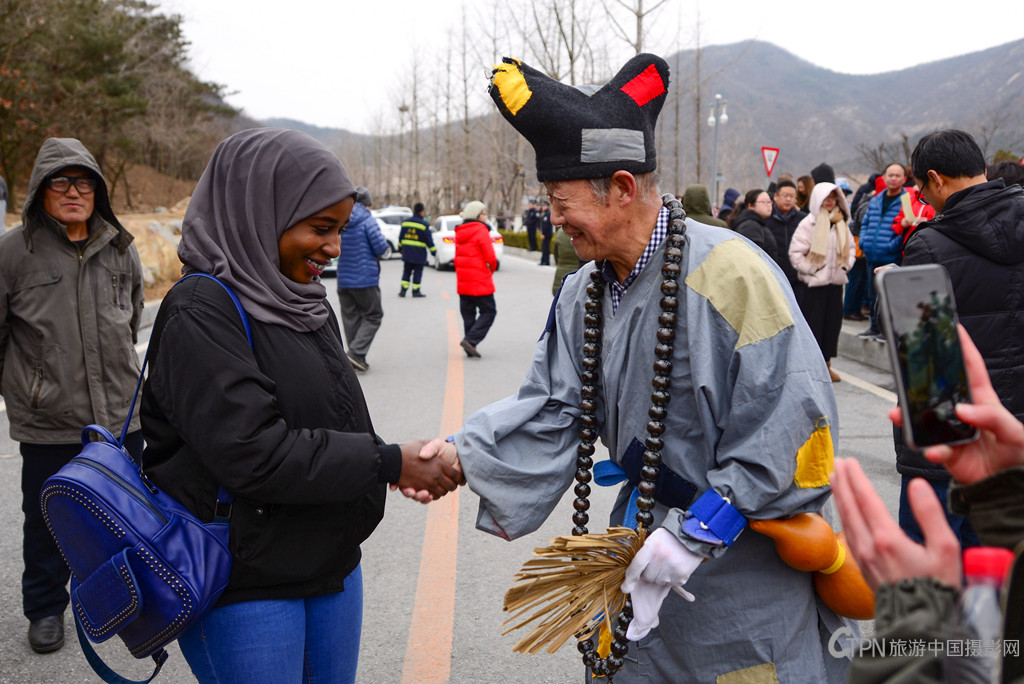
column 872, row 295
column 960, row 524
column 856, row 290
column 283, row 641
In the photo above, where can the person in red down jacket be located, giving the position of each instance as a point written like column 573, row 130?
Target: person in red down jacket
column 474, row 264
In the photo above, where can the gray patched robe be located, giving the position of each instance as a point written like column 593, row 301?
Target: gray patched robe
column 750, row 391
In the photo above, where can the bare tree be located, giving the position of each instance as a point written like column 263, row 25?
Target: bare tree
column 633, row 34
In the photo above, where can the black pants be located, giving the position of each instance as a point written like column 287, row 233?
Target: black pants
column 478, row 312
column 823, row 309
column 411, row 271
column 531, row 235
column 545, row 250
column 46, row 574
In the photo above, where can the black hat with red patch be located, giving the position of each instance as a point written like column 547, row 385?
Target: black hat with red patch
column 580, row 132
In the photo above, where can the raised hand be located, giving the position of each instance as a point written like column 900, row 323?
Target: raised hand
column 1001, row 444
column 883, row 550
column 425, row 478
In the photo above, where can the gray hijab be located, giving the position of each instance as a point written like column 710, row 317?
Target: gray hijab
column 259, row 183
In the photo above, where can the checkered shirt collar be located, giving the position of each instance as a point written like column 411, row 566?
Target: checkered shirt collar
column 657, row 237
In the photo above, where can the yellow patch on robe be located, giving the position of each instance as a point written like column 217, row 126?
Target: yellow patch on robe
column 814, row 460
column 511, row 85
column 764, row 673
column 743, row 289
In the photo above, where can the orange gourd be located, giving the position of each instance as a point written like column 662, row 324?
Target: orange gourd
column 807, row 542
column 845, row 591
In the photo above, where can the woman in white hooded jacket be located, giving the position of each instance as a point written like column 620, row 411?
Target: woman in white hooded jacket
column 822, row 251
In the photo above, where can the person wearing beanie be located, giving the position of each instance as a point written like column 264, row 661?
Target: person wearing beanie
column 680, row 346
column 415, row 242
column 359, row 280
column 475, row 263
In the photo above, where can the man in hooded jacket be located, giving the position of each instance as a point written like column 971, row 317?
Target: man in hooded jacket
column 697, row 205
column 70, row 303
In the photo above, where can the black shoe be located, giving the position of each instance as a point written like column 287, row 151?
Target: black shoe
column 469, row 349
column 855, row 317
column 870, row 332
column 46, row 635
column 358, row 362
column 880, row 338
column 401, row 293
column 417, row 293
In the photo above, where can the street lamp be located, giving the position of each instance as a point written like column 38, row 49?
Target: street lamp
column 715, row 118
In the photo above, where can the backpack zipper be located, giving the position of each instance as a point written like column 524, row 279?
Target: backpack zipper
column 123, row 484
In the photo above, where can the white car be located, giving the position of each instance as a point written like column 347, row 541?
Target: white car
column 442, row 230
column 390, row 219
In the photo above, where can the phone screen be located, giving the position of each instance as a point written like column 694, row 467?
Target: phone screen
column 921, row 315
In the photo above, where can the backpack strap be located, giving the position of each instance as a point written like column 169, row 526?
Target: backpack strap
column 145, row 362
column 105, row 672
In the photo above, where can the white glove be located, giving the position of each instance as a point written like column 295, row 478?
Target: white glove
column 662, row 563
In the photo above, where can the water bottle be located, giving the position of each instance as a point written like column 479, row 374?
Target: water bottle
column 980, row 618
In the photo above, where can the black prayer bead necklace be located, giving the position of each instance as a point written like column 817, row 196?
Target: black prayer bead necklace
column 670, row 271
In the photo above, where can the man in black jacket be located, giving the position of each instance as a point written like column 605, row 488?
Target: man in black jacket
column 782, row 223
column 977, row 235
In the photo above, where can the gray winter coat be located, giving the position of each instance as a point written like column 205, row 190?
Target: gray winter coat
column 68, row 317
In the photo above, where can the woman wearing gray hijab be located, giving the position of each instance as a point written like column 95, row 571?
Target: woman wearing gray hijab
column 282, row 425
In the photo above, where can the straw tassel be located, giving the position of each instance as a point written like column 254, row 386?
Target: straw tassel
column 570, row 587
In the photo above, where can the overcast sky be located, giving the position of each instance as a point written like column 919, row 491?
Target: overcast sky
column 338, row 64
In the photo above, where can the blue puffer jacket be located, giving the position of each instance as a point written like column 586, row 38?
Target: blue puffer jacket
column 879, row 242
column 361, row 244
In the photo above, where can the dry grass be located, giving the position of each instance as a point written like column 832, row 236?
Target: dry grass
column 571, row 587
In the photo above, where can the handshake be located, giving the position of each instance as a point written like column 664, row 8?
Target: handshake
column 429, row 470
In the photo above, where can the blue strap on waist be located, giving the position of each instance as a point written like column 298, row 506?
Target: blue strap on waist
column 607, row 474
column 671, row 490
column 713, row 519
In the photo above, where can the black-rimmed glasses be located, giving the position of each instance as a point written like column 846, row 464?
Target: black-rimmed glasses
column 84, row 186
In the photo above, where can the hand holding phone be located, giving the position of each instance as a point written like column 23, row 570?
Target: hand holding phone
column 919, row 319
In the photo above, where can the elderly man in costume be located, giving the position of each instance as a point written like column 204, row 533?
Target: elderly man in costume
column 678, row 346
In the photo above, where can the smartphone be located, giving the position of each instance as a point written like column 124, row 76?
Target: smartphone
column 919, row 320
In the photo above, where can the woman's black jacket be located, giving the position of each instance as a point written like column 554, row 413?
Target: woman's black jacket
column 284, row 427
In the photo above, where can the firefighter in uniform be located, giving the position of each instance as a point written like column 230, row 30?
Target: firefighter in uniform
column 414, row 241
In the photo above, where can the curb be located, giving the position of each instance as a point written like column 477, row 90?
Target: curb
column 868, row 351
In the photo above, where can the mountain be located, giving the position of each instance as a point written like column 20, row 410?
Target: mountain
column 775, row 99
column 813, row 114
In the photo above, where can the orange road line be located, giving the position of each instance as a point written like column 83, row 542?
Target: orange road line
column 428, row 651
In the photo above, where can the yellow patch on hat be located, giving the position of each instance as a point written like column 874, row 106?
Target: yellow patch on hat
column 814, row 460
column 511, row 85
column 742, row 288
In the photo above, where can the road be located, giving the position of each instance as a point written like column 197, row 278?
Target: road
column 434, row 584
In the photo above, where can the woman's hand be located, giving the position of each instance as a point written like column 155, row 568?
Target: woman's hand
column 426, row 478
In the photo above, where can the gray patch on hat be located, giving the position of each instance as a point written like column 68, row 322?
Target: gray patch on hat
column 612, row 145
column 587, row 90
